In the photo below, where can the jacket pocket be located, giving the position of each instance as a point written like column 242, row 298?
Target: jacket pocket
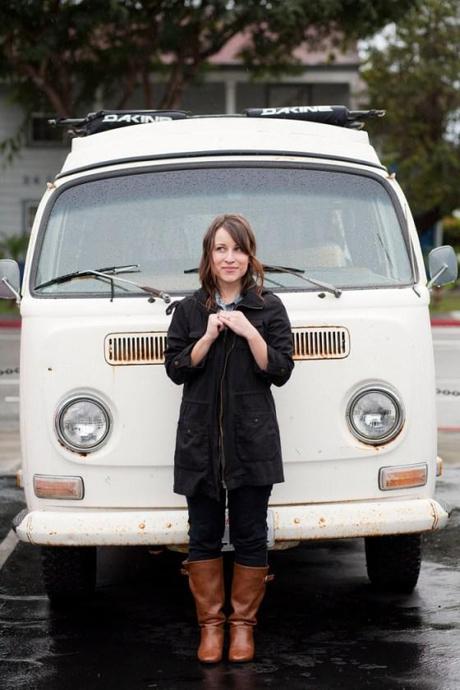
column 192, row 446
column 257, row 437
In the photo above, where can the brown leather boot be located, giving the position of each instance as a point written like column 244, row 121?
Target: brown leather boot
column 248, row 589
column 206, row 580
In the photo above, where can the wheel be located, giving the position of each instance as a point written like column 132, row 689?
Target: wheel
column 393, row 562
column 69, row 572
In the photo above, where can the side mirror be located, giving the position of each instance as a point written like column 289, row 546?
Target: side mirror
column 9, row 280
column 443, row 266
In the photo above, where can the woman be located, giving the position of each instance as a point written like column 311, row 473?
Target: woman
column 227, row 344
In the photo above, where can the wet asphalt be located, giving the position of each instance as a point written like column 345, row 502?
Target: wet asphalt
column 321, row 625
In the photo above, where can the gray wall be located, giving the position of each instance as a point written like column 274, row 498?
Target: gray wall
column 23, row 180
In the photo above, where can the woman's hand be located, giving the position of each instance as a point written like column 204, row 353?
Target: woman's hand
column 203, row 345
column 213, row 328
column 238, row 323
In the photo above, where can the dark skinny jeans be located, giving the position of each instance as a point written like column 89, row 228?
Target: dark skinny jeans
column 247, row 513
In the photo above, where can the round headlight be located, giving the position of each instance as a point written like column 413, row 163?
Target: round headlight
column 375, row 415
column 83, row 424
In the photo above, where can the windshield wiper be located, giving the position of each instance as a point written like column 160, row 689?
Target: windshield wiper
column 298, row 273
column 129, row 268
column 108, row 274
column 295, row 272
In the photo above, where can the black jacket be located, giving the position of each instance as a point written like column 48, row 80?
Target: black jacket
column 227, row 429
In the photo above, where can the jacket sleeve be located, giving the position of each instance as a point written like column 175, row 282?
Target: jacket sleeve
column 279, row 345
column 179, row 346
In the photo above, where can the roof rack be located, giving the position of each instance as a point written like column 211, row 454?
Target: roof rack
column 105, row 120
column 338, row 115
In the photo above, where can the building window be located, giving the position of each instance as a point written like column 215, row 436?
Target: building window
column 41, row 133
column 284, row 95
column 29, row 209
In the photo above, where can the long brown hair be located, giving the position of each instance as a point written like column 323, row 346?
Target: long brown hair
column 241, row 232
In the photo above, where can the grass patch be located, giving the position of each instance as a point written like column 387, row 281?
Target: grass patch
column 445, row 300
column 8, row 307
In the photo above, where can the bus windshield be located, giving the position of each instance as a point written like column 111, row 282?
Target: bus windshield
column 336, row 227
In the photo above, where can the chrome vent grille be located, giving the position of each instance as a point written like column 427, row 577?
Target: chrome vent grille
column 135, row 348
column 323, row 342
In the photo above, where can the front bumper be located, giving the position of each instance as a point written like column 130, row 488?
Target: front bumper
column 170, row 527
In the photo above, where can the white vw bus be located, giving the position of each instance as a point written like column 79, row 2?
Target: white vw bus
column 117, row 239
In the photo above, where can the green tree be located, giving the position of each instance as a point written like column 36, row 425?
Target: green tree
column 64, row 55
column 415, row 77
column 13, row 246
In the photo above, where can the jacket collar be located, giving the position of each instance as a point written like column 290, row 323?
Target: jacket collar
column 251, row 300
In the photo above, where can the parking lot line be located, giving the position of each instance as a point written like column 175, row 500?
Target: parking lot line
column 7, row 547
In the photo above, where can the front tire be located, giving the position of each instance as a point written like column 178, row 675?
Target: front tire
column 393, row 562
column 69, row 572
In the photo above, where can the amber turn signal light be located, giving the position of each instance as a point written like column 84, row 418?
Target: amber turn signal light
column 52, row 486
column 403, row 477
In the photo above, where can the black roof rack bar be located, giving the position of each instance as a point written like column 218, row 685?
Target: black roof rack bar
column 325, row 114
column 105, row 120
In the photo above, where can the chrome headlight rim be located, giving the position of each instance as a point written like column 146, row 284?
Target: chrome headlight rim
column 394, row 397
column 63, row 406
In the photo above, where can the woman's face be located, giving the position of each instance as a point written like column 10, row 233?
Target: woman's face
column 229, row 262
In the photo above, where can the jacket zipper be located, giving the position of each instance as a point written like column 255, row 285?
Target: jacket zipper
column 221, row 413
